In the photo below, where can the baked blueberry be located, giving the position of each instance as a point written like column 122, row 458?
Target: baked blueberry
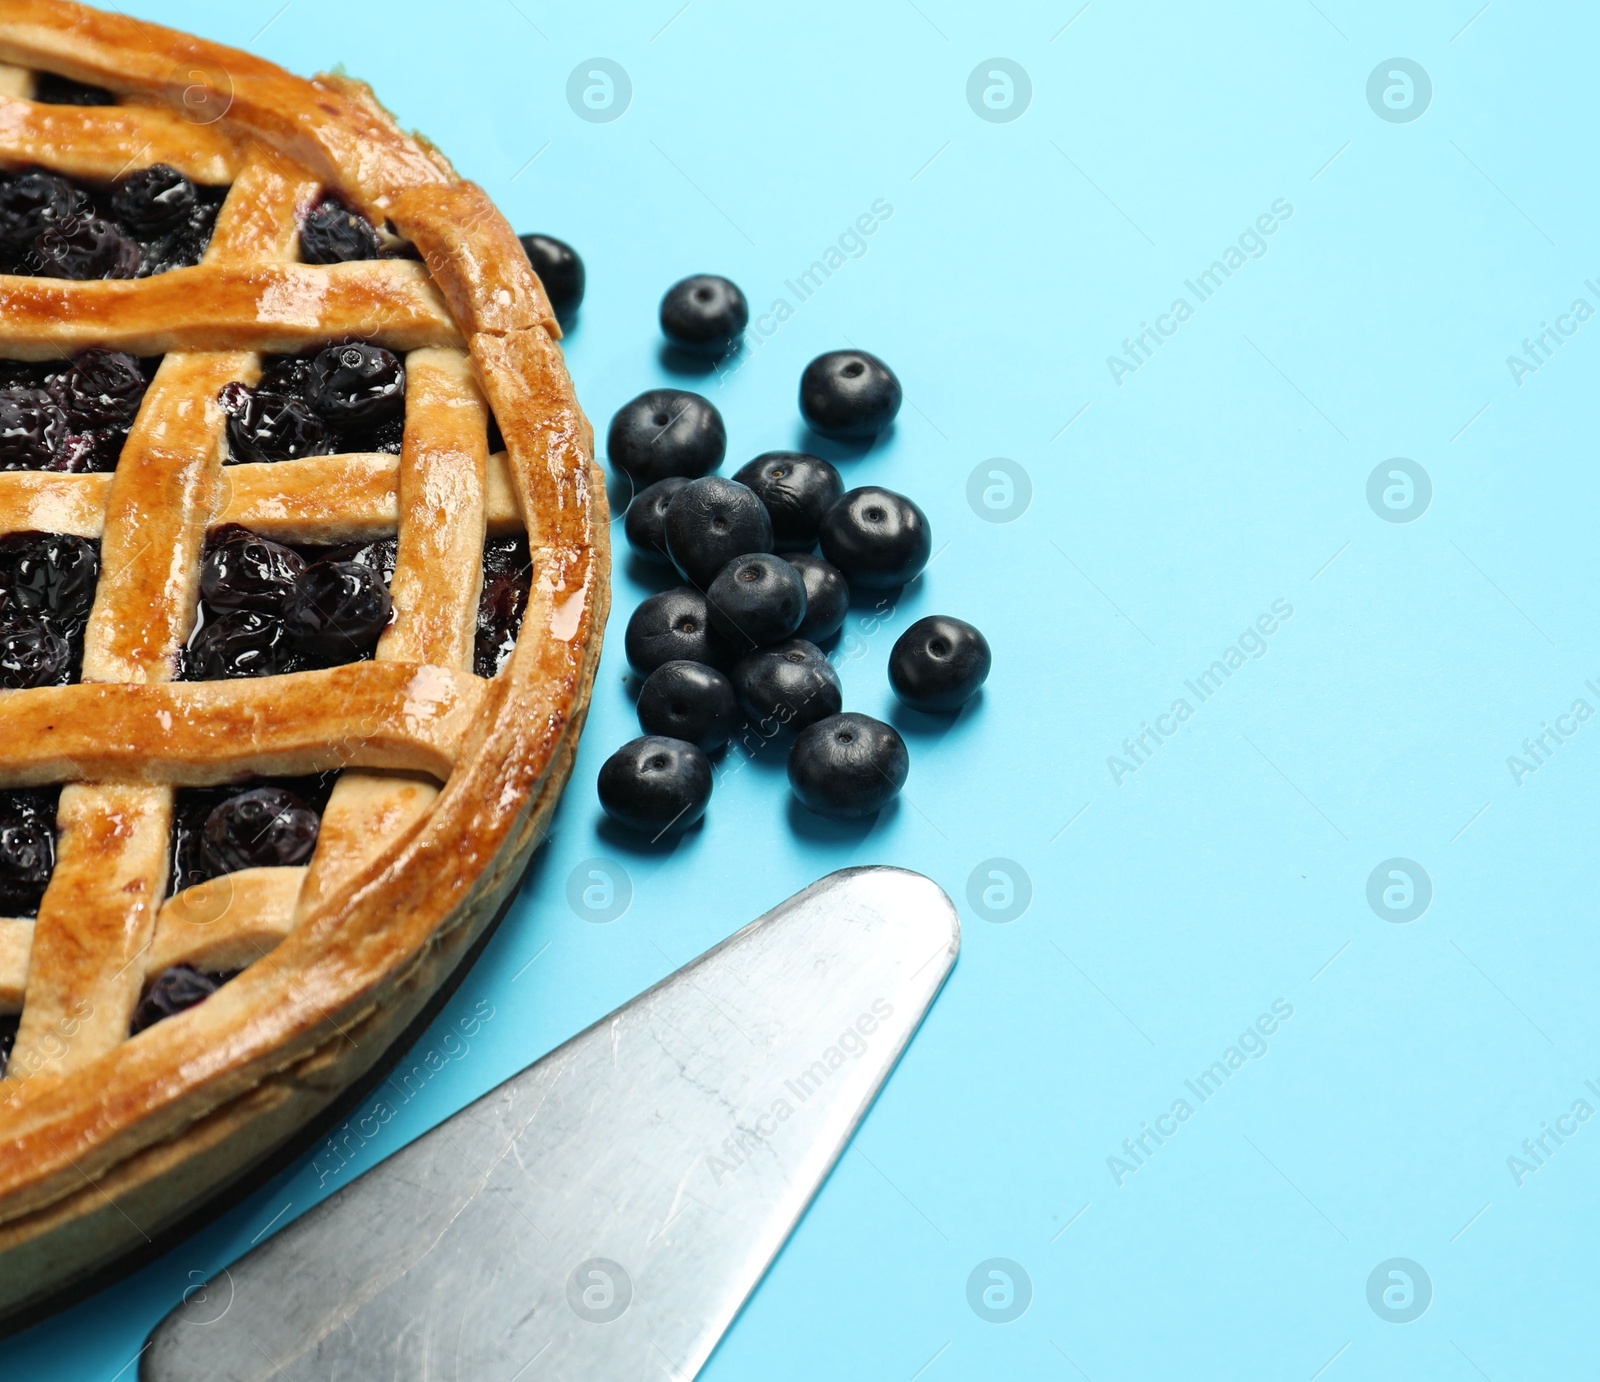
column 101, row 389
column 85, row 247
column 559, row 269
column 878, row 538
column 48, row 575
column 797, row 490
column 357, row 385
column 827, row 596
column 939, row 663
column 788, row 686
column 240, row 643
column 666, row 432
column 173, row 991
column 848, row 395
column 756, row 599
column 378, row 556
column 53, row 90
column 9, row 1023
column 154, row 201
column 286, row 375
column 30, row 203
column 507, row 580
column 688, row 700
column 32, row 429
column 32, row 653
column 646, row 520
column 387, row 438
column 337, row 611
column 674, row 626
column 704, row 315
column 273, row 427
column 264, row 827
column 240, row 570
column 710, row 522
column 334, row 234
column 655, row 785
column 27, row 849
column 848, row 766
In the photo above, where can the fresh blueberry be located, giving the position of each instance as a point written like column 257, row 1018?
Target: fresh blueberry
column 27, row 849
column 559, row 269
column 878, row 538
column 32, row 653
column 827, row 596
column 710, row 522
column 240, row 570
column 357, row 385
column 646, row 520
column 788, row 686
column 174, row 991
column 102, row 389
column 51, row 575
column 704, row 315
column 797, row 490
column 756, row 599
column 154, row 201
column 674, row 626
column 939, row 663
column 338, row 611
column 86, row 247
column 655, row 785
column 848, row 395
column 848, row 766
column 32, row 429
column 264, row 827
column 29, row 204
column 334, row 234
column 688, row 700
column 507, row 580
column 666, row 432
column 273, row 427
column 241, row 643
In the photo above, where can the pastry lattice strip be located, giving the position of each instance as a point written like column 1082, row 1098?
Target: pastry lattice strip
column 102, row 927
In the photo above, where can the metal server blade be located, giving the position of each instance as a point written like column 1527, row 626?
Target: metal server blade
column 605, row 1213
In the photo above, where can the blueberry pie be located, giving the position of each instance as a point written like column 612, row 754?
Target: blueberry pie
column 303, row 574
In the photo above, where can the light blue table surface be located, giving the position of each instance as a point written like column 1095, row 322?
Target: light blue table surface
column 1220, row 875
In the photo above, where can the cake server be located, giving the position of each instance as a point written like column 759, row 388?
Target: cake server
column 605, row 1213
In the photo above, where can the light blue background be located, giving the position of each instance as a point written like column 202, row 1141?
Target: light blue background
column 1168, row 513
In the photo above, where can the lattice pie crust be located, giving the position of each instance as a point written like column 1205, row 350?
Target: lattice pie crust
column 105, row 1140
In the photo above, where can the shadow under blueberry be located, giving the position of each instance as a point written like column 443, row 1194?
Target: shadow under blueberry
column 685, row 363
column 807, row 824
column 815, row 444
column 631, row 841
column 922, row 724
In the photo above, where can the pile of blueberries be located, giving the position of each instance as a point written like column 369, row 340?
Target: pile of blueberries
column 741, row 643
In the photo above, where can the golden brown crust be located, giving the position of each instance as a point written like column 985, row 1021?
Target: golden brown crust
column 156, row 1123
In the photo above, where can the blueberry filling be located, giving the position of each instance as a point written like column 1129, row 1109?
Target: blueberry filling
column 507, row 579
column 174, row 991
column 8, row 1039
column 332, row 233
column 267, row 608
column 47, row 583
column 261, row 824
column 70, row 415
column 27, row 847
column 49, row 89
column 153, row 220
column 346, row 397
